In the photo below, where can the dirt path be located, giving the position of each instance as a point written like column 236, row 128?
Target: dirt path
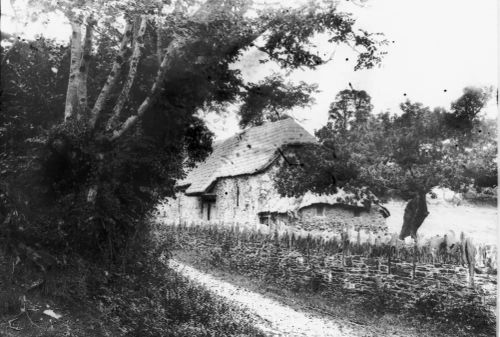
column 274, row 318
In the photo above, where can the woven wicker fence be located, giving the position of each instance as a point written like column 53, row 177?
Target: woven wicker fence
column 330, row 265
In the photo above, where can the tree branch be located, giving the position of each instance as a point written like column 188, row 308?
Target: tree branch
column 155, row 89
column 158, row 41
column 134, row 62
column 112, row 77
column 173, row 51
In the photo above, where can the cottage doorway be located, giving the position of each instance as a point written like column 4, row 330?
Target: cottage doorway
column 208, row 203
column 208, row 211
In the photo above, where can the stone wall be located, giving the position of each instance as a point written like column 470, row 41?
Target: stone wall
column 336, row 217
column 182, row 208
column 332, row 267
column 238, row 199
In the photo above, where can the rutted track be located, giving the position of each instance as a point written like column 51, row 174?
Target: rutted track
column 274, row 318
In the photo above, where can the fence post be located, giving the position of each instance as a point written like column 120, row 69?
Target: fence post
column 238, row 234
column 414, row 259
column 389, row 261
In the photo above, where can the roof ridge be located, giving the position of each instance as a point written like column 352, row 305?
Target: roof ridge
column 264, row 124
column 247, row 152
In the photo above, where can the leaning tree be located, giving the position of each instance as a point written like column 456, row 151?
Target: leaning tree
column 403, row 155
column 97, row 131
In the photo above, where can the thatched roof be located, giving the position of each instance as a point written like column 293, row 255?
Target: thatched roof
column 248, row 152
column 362, row 198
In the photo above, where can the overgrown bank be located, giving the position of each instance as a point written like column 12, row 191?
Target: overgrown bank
column 306, row 270
column 141, row 299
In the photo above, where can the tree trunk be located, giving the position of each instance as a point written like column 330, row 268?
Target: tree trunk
column 81, row 83
column 112, row 77
column 468, row 256
column 76, row 52
column 134, row 62
column 414, row 216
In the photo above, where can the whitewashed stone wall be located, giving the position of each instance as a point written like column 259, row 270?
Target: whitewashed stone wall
column 240, row 199
column 181, row 208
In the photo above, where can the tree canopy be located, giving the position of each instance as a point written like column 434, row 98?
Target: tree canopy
column 271, row 98
column 99, row 130
column 403, row 155
column 351, row 108
column 465, row 110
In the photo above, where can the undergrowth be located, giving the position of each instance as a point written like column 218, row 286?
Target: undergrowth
column 468, row 310
column 143, row 298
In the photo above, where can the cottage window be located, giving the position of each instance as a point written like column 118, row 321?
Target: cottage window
column 208, row 211
column 357, row 212
column 264, row 219
column 320, row 210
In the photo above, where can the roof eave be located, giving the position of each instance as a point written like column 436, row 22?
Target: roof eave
column 212, row 184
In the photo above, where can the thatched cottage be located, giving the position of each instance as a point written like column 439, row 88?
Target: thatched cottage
column 235, row 184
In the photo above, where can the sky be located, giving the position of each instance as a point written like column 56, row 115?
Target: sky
column 437, row 47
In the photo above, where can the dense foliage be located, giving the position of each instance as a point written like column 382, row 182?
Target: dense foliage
column 351, row 108
column 403, row 155
column 271, row 98
column 468, row 310
column 49, row 169
column 97, row 132
column 466, row 109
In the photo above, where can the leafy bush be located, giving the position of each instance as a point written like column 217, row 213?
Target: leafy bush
column 466, row 309
column 78, row 194
column 216, row 258
column 9, row 302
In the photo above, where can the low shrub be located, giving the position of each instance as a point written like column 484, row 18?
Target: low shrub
column 9, row 303
column 215, row 257
column 466, row 309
